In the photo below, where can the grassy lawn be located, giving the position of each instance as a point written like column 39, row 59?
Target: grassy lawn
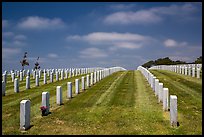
column 189, row 94
column 122, row 103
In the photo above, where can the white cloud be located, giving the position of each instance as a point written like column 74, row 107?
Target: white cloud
column 170, row 43
column 20, row 37
column 150, row 16
column 127, row 45
column 93, row 53
column 113, row 36
column 35, row 22
column 18, row 43
column 10, row 52
column 114, row 40
column 52, row 55
column 173, row 43
column 139, row 17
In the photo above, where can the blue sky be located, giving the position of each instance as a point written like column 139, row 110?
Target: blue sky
column 99, row 34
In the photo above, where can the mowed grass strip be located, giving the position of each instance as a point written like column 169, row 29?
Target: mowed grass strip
column 189, row 98
column 130, row 108
column 11, row 103
column 71, row 116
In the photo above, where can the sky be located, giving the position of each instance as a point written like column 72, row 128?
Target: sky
column 99, row 34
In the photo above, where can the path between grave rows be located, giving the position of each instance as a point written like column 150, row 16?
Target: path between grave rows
column 122, row 103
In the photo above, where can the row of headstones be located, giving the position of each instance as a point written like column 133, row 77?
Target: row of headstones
column 37, row 77
column 25, row 104
column 71, row 71
column 163, row 94
column 187, row 69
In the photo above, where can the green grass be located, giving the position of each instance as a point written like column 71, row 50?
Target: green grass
column 189, row 93
column 122, row 103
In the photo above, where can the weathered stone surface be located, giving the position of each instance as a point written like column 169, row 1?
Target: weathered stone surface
column 27, row 82
column 21, row 76
column 198, row 72
column 4, row 78
column 24, row 114
column 160, row 98
column 173, row 110
column 13, row 76
column 37, row 80
column 45, row 78
column 77, row 86
column 156, row 87
column 45, row 101
column 87, row 81
column 57, row 76
column 193, row 72
column 59, row 95
column 94, row 77
column 91, row 78
column 165, row 98
column 16, row 85
column 69, row 88
column 51, row 77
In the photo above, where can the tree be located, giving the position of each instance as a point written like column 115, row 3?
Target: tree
column 24, row 61
column 37, row 65
column 198, row 60
column 148, row 64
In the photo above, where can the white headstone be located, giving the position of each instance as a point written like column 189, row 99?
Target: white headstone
column 4, row 78
column 189, row 70
column 91, row 78
column 45, row 78
column 24, row 114
column 27, row 82
column 165, row 99
column 21, row 76
column 198, row 72
column 39, row 73
column 153, row 83
column 69, row 88
column 94, row 77
column 45, row 101
column 156, row 87
column 34, row 73
column 16, row 85
column 59, row 95
column 160, row 98
column 51, row 77
column 13, row 76
column 87, row 81
column 66, row 74
column 57, row 76
column 76, row 86
column 37, row 80
column 173, row 110
column 193, row 72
